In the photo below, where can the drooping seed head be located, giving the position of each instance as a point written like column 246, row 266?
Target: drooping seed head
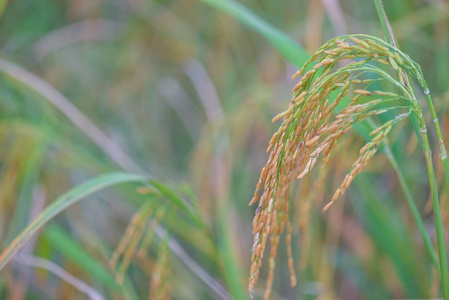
column 310, row 129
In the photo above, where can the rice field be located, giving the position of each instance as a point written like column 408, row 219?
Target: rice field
column 224, row 149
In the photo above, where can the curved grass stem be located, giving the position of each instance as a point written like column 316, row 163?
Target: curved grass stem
column 443, row 153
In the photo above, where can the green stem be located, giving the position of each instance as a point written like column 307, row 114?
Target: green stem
column 437, row 217
column 443, row 153
column 389, row 37
column 2, row 6
column 388, row 31
column 415, row 212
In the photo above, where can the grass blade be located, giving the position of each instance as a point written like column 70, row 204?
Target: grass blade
column 76, row 253
column 75, row 115
column 24, row 201
column 291, row 50
column 3, row 6
column 71, row 249
column 53, row 268
column 178, row 201
column 61, row 203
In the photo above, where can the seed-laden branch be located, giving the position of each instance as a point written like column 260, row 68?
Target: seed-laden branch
column 338, row 76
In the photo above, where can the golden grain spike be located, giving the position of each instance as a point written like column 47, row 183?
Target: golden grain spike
column 347, row 181
column 129, row 242
column 363, row 92
column 344, row 45
column 309, row 73
column 160, row 283
column 298, row 100
column 379, row 112
column 337, row 195
column 307, row 132
column 327, row 206
column 305, row 171
column 330, row 52
column 380, row 93
column 281, row 115
column 378, row 47
column 143, row 190
column 360, row 42
column 377, row 130
column 401, row 78
column 313, row 141
column 297, row 86
column 148, row 237
column 393, row 63
column 295, row 75
column 364, row 148
column 398, row 58
column 318, row 65
column 327, row 61
column 255, row 198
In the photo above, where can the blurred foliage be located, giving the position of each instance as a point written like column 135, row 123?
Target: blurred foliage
column 188, row 91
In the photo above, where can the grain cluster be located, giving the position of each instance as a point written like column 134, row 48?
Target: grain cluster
column 336, row 90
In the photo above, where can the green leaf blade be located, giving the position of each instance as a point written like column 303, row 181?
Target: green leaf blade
column 290, row 49
column 72, row 196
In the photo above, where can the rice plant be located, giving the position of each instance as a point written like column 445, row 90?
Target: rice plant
column 308, row 129
column 346, row 66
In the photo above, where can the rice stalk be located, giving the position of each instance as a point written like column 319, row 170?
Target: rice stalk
column 309, row 130
column 160, row 280
column 129, row 242
column 149, row 235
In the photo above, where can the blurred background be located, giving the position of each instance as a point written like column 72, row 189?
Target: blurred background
column 184, row 91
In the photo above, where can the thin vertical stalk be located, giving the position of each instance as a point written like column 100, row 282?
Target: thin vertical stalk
column 415, row 212
column 443, row 153
column 437, row 217
column 388, row 31
column 389, row 37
